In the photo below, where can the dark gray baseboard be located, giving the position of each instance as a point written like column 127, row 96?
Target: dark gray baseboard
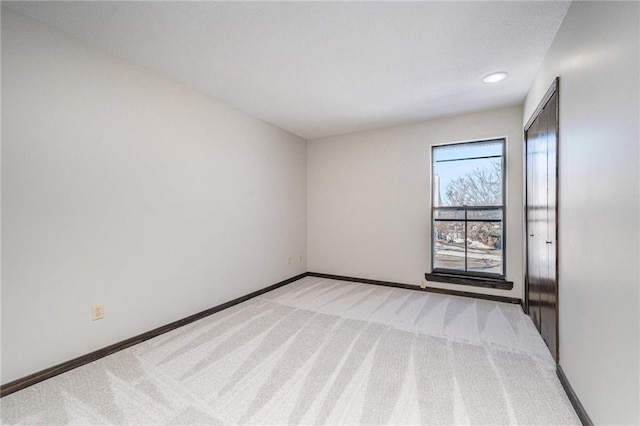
column 417, row 288
column 47, row 373
column 573, row 398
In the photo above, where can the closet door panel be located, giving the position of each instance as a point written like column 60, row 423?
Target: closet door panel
column 533, row 264
column 540, row 226
column 541, row 146
column 550, row 309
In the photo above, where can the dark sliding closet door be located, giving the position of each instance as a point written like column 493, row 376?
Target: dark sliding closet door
column 541, row 144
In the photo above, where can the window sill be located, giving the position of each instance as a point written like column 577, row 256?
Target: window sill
column 498, row 283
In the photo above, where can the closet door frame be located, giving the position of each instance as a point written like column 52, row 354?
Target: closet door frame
column 554, row 89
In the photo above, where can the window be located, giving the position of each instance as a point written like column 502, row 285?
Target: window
column 467, row 209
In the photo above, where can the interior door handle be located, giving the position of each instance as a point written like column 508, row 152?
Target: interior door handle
column 531, row 235
column 549, row 242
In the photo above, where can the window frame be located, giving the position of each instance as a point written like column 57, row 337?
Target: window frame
column 457, row 276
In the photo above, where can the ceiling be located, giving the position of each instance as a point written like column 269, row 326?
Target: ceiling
column 324, row 68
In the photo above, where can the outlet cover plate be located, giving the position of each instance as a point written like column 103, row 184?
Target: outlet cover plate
column 97, row 312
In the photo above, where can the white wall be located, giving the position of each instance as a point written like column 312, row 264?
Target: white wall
column 124, row 188
column 596, row 55
column 369, row 198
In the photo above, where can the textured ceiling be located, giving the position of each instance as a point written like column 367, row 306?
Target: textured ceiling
column 318, row 69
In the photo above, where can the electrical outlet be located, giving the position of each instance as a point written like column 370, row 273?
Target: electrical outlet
column 423, row 284
column 97, row 312
column 300, row 258
column 289, row 260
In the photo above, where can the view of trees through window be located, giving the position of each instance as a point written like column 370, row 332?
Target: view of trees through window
column 468, row 208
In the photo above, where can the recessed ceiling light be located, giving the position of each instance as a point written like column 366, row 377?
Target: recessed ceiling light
column 495, row 77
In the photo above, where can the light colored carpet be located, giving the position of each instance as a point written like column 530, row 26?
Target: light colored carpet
column 319, row 351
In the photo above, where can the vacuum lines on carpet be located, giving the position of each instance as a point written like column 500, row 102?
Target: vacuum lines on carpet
column 319, row 351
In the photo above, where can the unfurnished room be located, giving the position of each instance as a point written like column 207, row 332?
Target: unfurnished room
column 357, row 213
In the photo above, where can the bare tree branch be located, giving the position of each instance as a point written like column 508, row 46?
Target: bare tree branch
column 479, row 187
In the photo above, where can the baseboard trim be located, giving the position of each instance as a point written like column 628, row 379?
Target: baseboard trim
column 573, row 398
column 47, row 373
column 50, row 372
column 413, row 287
